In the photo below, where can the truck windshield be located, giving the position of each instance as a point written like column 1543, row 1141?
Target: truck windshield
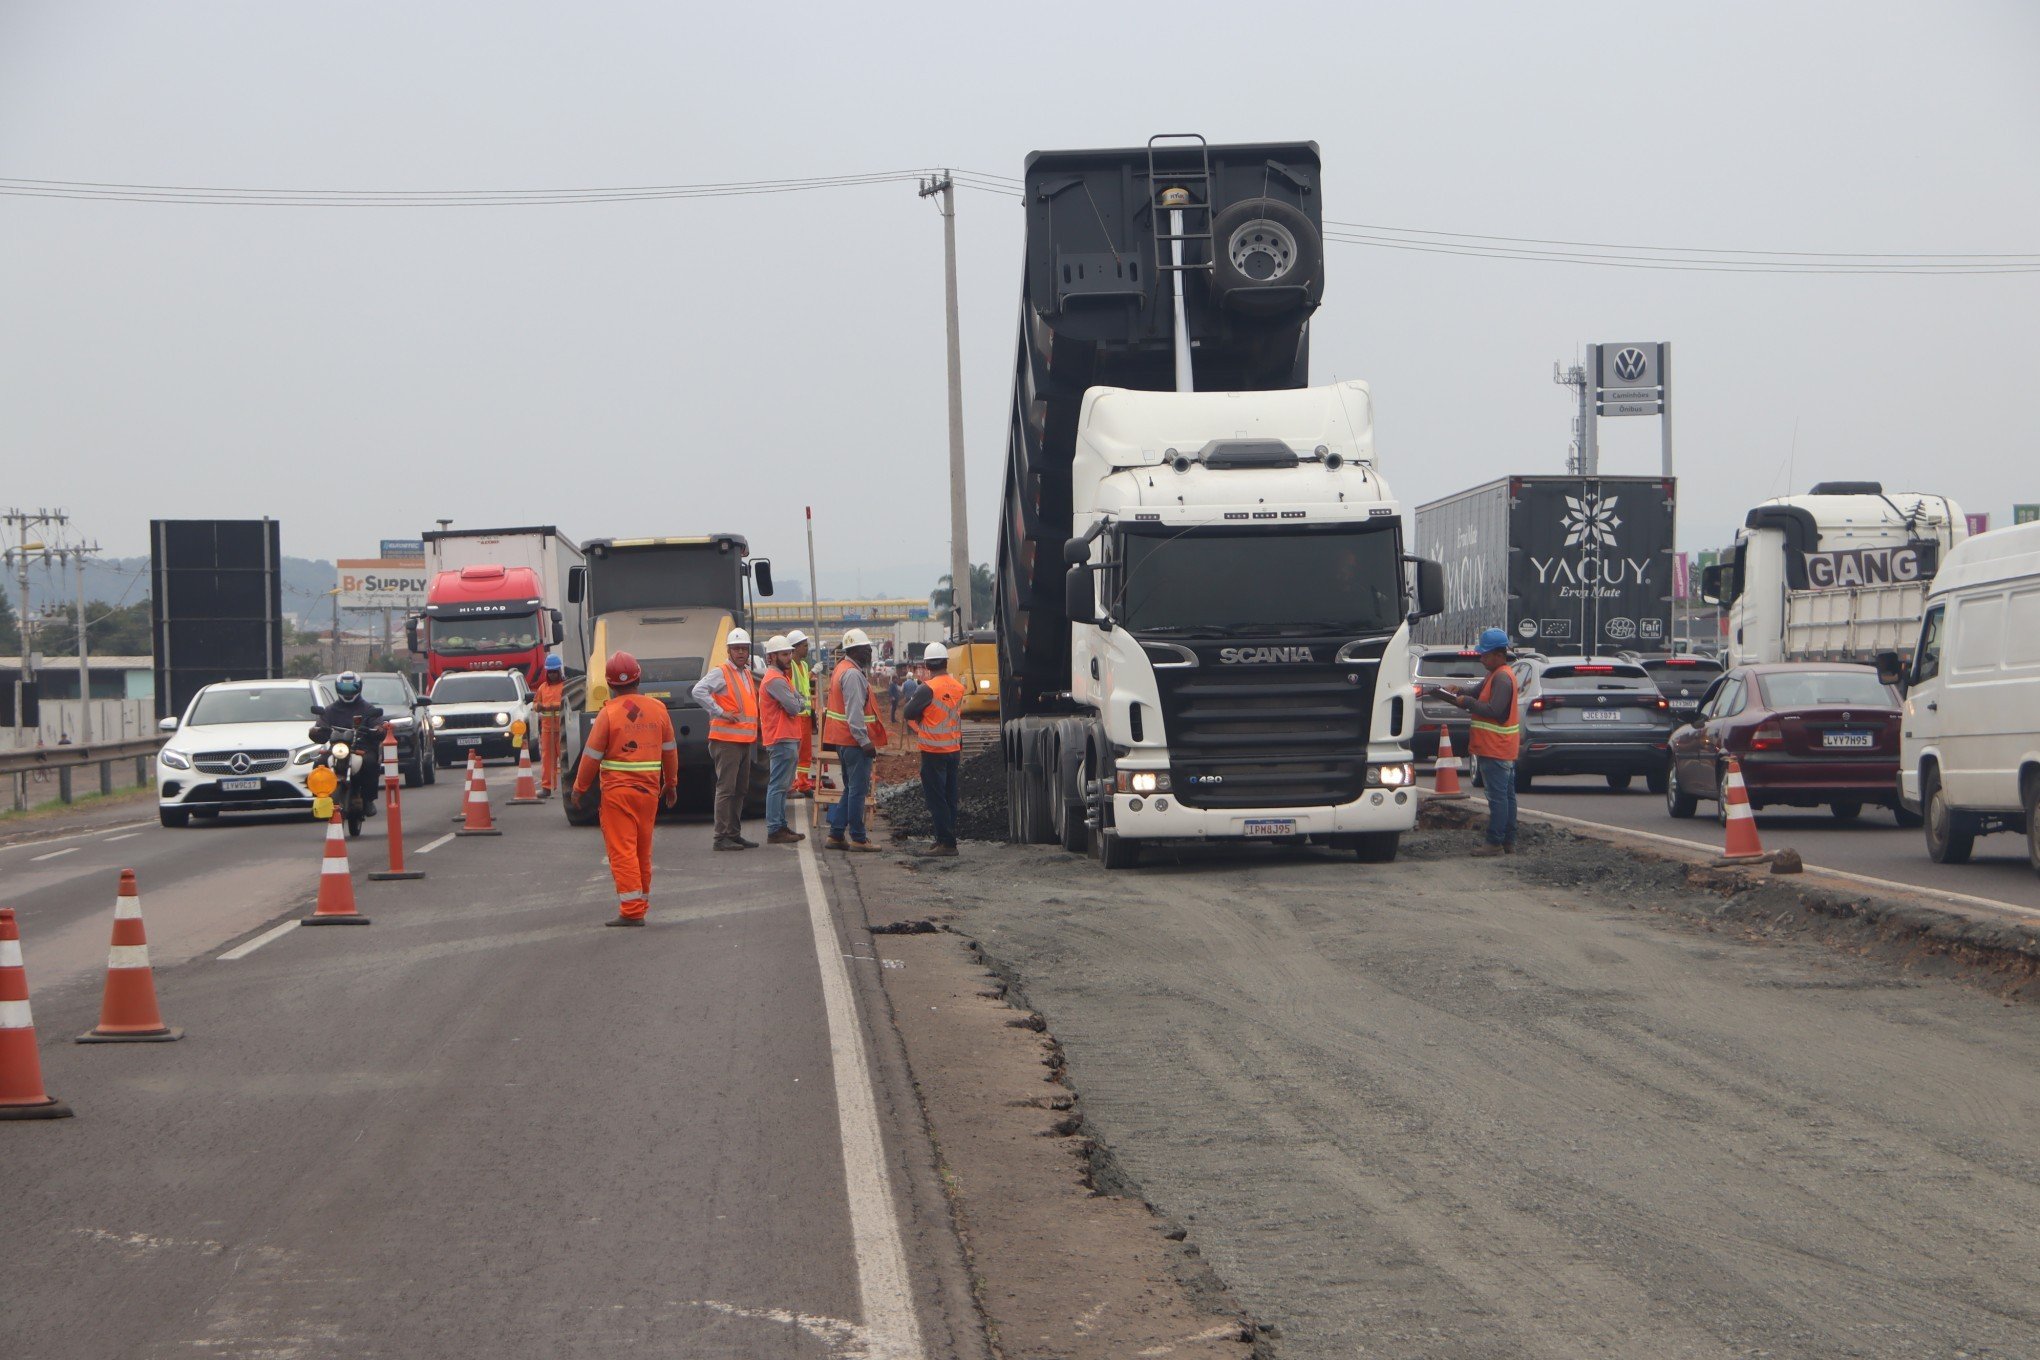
column 497, row 633
column 1230, row 582
column 662, row 577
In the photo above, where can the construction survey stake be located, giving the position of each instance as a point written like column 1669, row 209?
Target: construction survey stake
column 381, row 583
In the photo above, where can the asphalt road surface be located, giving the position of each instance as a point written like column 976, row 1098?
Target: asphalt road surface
column 481, row 1126
column 1874, row 845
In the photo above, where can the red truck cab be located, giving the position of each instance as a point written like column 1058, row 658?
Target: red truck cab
column 485, row 618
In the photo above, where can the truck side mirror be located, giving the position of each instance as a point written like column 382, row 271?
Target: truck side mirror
column 559, row 627
column 577, row 584
column 761, row 575
column 1711, row 578
column 411, row 635
column 1430, row 588
column 1076, row 551
column 1080, row 594
column 1891, row 669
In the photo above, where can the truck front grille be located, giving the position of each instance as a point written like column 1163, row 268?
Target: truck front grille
column 1268, row 736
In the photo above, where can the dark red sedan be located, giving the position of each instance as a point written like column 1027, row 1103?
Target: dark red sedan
column 1807, row 734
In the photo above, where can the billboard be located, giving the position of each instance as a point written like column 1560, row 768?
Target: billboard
column 215, row 604
column 403, row 550
column 381, row 583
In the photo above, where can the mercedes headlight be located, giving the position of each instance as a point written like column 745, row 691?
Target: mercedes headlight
column 173, row 760
column 438, row 720
column 304, row 756
column 502, row 720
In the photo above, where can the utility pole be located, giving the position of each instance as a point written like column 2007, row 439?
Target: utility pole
column 21, row 521
column 959, row 535
column 1583, row 458
column 76, row 556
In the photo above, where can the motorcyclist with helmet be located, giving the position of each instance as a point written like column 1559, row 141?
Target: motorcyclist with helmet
column 343, row 716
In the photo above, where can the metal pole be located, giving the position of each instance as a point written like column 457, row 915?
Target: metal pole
column 84, row 655
column 1590, row 421
column 813, row 590
column 1177, row 200
column 1664, row 377
column 336, row 630
column 959, row 515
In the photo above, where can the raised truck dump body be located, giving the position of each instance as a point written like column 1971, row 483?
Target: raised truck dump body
column 1201, row 601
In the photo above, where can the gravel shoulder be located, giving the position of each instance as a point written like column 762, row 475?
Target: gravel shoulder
column 1453, row 1108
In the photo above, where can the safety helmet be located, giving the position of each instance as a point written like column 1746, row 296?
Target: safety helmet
column 738, row 638
column 348, row 686
column 553, row 663
column 622, row 669
column 1492, row 640
column 936, row 652
column 795, row 638
column 855, row 638
column 777, row 643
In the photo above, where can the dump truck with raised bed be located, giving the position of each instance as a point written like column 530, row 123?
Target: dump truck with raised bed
column 1203, row 599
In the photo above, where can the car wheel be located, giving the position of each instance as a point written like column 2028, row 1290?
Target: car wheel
column 1525, row 781
column 1655, row 781
column 173, row 816
column 1949, row 837
column 1678, row 802
column 1846, row 811
column 428, row 767
column 1721, row 796
column 1618, row 782
column 414, row 773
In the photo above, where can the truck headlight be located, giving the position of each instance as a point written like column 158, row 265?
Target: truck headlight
column 1391, row 776
column 1143, row 781
column 173, row 760
column 438, row 721
column 502, row 720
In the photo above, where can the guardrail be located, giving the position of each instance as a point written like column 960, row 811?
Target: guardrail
column 26, row 768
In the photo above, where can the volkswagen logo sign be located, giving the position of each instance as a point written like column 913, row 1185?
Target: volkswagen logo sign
column 239, row 763
column 1630, row 364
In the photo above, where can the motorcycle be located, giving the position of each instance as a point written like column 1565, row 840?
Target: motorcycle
column 344, row 757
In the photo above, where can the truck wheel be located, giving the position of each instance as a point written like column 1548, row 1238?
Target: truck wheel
column 2033, row 829
column 1039, row 806
column 1618, row 782
column 1016, row 792
column 1377, row 847
column 1678, row 802
column 1262, row 244
column 1114, row 852
column 1950, row 836
column 1076, row 836
column 590, row 813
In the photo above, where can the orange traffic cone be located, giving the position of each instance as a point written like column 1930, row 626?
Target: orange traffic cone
column 336, row 883
column 21, row 1089
column 128, row 1011
column 1445, row 783
column 479, row 821
column 1742, row 845
column 474, row 765
column 527, row 789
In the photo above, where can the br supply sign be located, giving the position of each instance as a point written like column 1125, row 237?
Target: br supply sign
column 381, row 583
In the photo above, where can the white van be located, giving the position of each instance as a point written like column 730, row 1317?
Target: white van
column 1970, row 749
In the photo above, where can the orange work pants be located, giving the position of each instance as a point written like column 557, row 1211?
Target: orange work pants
column 549, row 753
column 630, row 807
column 804, row 765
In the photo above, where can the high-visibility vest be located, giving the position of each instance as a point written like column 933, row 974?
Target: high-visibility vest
column 775, row 723
column 736, row 715
column 835, row 721
column 550, row 695
column 940, row 726
column 1496, row 741
column 632, row 736
column 803, row 677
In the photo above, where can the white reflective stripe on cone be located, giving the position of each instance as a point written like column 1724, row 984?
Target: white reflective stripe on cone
column 127, row 908
column 334, row 866
column 128, row 956
column 1740, row 812
column 10, row 953
column 14, row 1015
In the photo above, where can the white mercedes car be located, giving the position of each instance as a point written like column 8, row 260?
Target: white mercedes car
column 241, row 746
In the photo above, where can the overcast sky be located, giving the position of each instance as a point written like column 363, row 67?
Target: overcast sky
column 686, row 366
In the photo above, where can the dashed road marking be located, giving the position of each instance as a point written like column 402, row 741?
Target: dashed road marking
column 125, row 836
column 78, row 836
column 428, row 849
column 242, row 951
column 38, row 859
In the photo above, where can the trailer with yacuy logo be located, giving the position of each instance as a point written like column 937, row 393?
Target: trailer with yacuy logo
column 1577, row 566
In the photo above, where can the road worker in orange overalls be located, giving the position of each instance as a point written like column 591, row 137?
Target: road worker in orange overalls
column 803, row 677
column 551, row 697
column 633, row 745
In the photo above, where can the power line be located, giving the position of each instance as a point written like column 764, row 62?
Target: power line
column 1694, row 265
column 1418, row 232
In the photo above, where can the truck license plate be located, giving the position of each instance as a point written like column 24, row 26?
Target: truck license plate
column 240, row 785
column 1851, row 740
column 467, row 741
column 1271, row 826
column 1602, row 715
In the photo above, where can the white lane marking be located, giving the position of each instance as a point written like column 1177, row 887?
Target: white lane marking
column 38, row 859
column 846, row 1340
column 144, row 1242
column 428, row 849
column 891, row 1326
column 78, row 836
column 242, row 951
column 126, row 836
column 1940, row 894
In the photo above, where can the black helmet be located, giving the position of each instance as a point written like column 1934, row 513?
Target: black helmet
column 348, row 685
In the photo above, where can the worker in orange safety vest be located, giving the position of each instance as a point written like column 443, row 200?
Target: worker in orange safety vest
column 551, row 705
column 633, row 748
column 934, row 713
column 803, row 676
column 729, row 695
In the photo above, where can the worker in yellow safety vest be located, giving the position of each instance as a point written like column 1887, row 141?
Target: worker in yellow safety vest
column 934, row 713
column 803, row 677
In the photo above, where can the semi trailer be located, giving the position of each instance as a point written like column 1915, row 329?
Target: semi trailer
column 1203, row 596
column 497, row 601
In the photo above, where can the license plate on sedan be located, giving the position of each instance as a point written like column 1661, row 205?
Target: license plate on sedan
column 1849, row 740
column 1271, row 826
column 467, row 741
column 240, row 785
column 1601, row 715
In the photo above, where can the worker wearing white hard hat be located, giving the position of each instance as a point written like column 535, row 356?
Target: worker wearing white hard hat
column 729, row 694
column 851, row 728
column 780, row 709
column 803, row 677
column 934, row 714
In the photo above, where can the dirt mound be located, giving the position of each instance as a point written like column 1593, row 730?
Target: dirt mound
column 981, row 812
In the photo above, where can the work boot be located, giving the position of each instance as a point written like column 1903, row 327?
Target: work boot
column 748, row 845
column 940, row 850
column 1508, row 847
column 1487, row 851
column 865, row 846
column 626, row 921
column 727, row 843
column 544, row 794
column 785, row 836
column 835, row 843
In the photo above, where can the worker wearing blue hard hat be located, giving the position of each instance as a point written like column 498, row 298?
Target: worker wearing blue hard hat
column 1494, row 738
column 551, row 697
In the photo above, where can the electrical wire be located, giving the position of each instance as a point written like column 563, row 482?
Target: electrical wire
column 1688, row 265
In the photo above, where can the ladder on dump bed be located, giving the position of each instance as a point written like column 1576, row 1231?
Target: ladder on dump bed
column 1179, row 190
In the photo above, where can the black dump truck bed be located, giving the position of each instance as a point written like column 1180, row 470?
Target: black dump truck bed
column 1095, row 311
